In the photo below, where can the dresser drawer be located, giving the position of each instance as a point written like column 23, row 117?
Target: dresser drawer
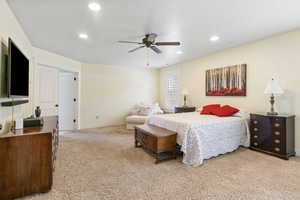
column 277, row 123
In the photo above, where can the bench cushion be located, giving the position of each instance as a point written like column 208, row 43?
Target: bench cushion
column 137, row 119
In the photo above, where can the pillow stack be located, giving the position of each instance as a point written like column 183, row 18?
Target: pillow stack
column 147, row 110
column 218, row 110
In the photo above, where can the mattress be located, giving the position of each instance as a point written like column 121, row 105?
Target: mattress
column 204, row 136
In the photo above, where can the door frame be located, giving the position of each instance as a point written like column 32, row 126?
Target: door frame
column 60, row 69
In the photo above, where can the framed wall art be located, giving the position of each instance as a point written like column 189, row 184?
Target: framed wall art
column 227, row 81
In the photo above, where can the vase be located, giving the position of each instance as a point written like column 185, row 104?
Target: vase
column 38, row 112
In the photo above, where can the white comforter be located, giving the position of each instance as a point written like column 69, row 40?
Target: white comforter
column 204, row 136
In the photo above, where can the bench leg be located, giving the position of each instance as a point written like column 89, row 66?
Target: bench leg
column 136, row 144
column 135, row 140
column 157, row 160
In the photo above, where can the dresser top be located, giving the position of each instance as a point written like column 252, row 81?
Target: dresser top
column 279, row 115
column 50, row 123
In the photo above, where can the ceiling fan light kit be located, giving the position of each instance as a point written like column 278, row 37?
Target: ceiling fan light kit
column 149, row 42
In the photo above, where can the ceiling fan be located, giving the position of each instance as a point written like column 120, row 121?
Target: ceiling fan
column 149, row 42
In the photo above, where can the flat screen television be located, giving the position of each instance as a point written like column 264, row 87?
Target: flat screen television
column 18, row 72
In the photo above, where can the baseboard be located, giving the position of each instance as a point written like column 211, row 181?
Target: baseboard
column 103, row 126
column 298, row 152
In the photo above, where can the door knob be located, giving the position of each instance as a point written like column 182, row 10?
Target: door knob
column 56, row 105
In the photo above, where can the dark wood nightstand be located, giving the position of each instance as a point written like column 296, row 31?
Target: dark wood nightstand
column 274, row 135
column 184, row 109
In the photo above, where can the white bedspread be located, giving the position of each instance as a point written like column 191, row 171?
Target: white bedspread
column 204, row 136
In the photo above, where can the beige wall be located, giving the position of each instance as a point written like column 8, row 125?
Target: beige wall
column 110, row 92
column 10, row 28
column 278, row 56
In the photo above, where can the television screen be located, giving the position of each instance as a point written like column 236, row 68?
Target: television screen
column 18, row 67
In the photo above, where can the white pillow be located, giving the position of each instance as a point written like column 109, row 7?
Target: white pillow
column 199, row 109
column 243, row 114
column 156, row 109
column 147, row 110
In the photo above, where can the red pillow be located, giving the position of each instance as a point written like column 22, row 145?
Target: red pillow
column 208, row 109
column 225, row 111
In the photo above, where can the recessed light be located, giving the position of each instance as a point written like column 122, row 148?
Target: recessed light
column 83, row 36
column 214, row 38
column 179, row 52
column 94, row 6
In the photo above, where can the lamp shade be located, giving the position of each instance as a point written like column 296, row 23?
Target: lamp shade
column 273, row 87
column 185, row 92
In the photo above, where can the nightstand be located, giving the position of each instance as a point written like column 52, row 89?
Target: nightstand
column 274, row 135
column 184, row 109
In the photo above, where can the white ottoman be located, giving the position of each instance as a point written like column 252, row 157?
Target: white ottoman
column 133, row 120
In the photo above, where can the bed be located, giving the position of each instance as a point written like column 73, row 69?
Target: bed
column 204, row 136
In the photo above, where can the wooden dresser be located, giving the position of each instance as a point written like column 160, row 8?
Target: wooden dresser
column 27, row 160
column 184, row 109
column 274, row 135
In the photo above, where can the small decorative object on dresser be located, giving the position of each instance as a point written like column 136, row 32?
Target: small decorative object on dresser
column 273, row 88
column 184, row 109
column 38, row 112
column 274, row 135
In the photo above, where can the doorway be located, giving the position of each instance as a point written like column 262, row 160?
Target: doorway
column 57, row 94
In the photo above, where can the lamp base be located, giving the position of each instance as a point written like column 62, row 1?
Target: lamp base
column 272, row 113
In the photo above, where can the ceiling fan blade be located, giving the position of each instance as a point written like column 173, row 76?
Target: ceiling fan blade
column 155, row 49
column 129, row 42
column 132, row 50
column 167, row 43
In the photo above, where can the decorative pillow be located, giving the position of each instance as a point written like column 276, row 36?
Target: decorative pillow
column 208, row 109
column 156, row 109
column 145, row 111
column 225, row 111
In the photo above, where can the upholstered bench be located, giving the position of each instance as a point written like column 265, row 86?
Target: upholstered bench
column 134, row 120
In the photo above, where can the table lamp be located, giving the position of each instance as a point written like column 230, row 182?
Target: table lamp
column 273, row 88
column 185, row 92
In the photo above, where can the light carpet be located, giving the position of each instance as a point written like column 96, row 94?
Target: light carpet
column 102, row 163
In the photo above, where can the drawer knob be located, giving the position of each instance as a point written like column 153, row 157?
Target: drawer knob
column 255, row 122
column 255, row 143
column 277, row 149
column 277, row 133
column 255, row 136
column 277, row 124
column 255, row 129
column 277, row 141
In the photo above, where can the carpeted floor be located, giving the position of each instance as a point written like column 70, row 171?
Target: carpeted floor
column 103, row 164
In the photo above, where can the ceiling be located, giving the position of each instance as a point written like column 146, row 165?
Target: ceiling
column 54, row 25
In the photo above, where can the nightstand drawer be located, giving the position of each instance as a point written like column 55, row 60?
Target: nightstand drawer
column 184, row 109
column 255, row 122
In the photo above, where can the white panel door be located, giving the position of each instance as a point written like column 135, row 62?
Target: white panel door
column 47, row 97
column 67, row 101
